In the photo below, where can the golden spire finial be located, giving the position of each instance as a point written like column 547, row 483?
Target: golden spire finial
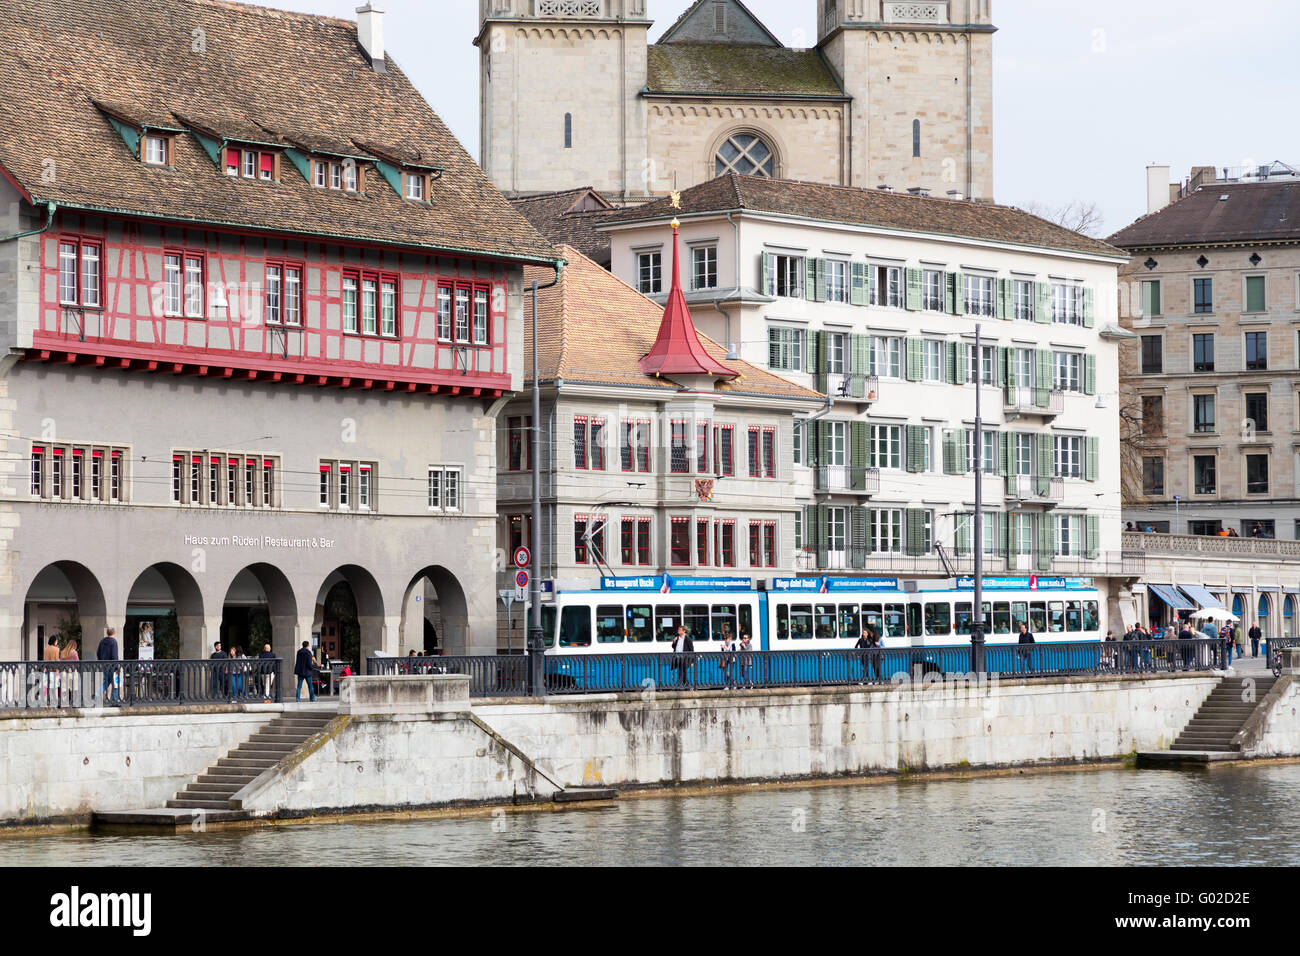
column 676, row 199
column 675, row 224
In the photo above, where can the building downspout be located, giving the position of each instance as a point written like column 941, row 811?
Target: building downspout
column 536, row 649
column 50, row 209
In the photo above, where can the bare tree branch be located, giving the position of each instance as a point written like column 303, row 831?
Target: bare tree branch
column 1082, row 216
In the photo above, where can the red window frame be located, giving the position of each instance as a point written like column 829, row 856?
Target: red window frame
column 679, row 451
column 679, row 548
column 756, row 544
column 769, row 452
column 580, row 442
column 724, row 544
column 769, row 544
column 361, row 277
column 627, row 540
column 596, row 444
column 284, row 265
column 186, row 256
column 724, row 438
column 81, row 242
column 702, row 447
column 643, row 444
column 580, row 555
column 702, row 542
column 753, row 445
column 523, row 536
column 634, row 445
column 643, row 541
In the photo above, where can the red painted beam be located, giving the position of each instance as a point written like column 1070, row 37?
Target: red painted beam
column 299, row 379
column 100, row 360
column 71, row 358
column 178, row 368
column 252, row 374
column 388, row 386
column 476, row 393
column 45, row 355
column 455, row 390
column 228, row 373
column 434, row 389
column 203, row 371
column 277, row 376
column 151, row 366
column 369, row 384
column 124, row 363
column 412, row 386
column 322, row 380
column 345, row 383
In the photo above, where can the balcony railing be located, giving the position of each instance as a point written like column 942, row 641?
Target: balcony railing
column 848, row 479
column 1175, row 544
column 1101, row 564
column 862, row 388
column 1035, row 489
column 1033, row 401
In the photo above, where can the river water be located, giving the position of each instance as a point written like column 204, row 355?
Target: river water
column 1237, row 817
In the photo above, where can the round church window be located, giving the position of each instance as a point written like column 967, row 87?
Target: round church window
column 746, row 154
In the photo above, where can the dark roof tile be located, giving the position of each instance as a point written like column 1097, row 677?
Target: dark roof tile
column 1253, row 212
column 721, row 69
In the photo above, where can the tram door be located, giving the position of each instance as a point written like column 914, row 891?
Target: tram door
column 915, row 633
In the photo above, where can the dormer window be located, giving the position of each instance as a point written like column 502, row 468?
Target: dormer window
column 252, row 164
column 336, row 175
column 156, row 150
column 350, row 177
column 415, row 186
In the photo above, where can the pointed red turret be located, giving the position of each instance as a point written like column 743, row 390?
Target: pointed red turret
column 677, row 349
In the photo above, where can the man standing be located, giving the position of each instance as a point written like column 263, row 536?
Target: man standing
column 683, row 647
column 1255, row 635
column 268, row 672
column 218, row 671
column 303, row 666
column 107, row 651
column 1026, row 654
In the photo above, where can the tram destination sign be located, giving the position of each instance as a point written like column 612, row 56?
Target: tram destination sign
column 826, row 585
column 666, row 583
column 1026, row 584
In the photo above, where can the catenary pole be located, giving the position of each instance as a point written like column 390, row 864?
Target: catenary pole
column 977, row 626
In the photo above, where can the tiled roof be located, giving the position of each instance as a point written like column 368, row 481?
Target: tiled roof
column 1253, row 212
column 668, row 36
column 871, row 207
column 595, row 329
column 550, row 214
column 265, row 75
column 721, row 69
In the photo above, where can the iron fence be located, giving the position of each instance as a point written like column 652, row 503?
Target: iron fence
column 31, row 685
column 715, row 670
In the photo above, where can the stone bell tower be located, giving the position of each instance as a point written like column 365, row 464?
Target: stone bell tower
column 921, row 76
column 560, row 104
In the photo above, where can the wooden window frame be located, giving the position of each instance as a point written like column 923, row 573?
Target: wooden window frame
column 284, row 265
column 168, row 145
column 360, row 277
column 82, row 243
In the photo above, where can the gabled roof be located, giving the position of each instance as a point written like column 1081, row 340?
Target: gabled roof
column 264, row 75
column 723, row 69
column 869, row 207
column 570, row 217
column 696, row 20
column 677, row 349
column 594, row 329
column 1251, row 212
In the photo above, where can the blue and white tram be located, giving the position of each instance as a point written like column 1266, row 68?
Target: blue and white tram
column 640, row 615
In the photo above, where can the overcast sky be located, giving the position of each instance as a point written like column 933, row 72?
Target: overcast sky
column 1086, row 95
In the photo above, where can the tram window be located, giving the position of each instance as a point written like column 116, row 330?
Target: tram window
column 1056, row 617
column 667, row 617
column 849, row 626
column 1019, row 615
column 914, row 620
column 724, row 621
column 697, row 621
column 801, row 622
column 938, row 619
column 894, row 623
column 1091, row 622
column 988, row 618
column 871, row 614
column 824, row 621
column 746, row 621
column 1073, row 616
column 1001, row 618
column 1037, row 617
column 548, row 625
column 782, row 622
column 575, row 627
column 639, row 624
column 609, row 624
column 964, row 617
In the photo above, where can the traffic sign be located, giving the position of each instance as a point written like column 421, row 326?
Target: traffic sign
column 521, row 579
column 522, row 557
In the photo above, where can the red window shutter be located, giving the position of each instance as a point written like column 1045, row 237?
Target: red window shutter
column 232, row 157
column 268, row 163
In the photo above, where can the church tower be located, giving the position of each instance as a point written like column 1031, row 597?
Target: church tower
column 921, row 76
column 560, row 101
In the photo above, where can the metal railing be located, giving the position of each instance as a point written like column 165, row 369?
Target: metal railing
column 862, row 387
column 1033, row 401
column 1039, row 488
column 713, row 670
column 862, row 481
column 1174, row 544
column 1107, row 563
column 31, row 685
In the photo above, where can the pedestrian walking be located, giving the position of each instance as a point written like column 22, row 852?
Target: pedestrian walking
column 219, row 670
column 746, row 646
column 1255, row 635
column 683, row 647
column 864, row 645
column 1026, row 638
column 728, row 658
column 73, row 674
column 1239, row 638
column 107, row 651
column 303, row 667
column 268, row 673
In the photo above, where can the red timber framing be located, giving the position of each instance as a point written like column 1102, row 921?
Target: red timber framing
column 132, row 332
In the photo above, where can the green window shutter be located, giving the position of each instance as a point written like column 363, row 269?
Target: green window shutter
column 1011, row 539
column 860, row 354
column 951, row 454
column 764, row 273
column 812, row 442
column 962, row 534
column 913, row 300
column 1255, row 299
column 950, row 363
column 1006, row 303
column 1090, row 375
column 1046, row 462
column 915, row 532
column 1046, row 543
column 915, row 448
column 1089, row 309
column 858, row 288
column 824, row 456
column 1094, row 537
column 821, row 376
column 823, row 536
column 1002, row 375
column 1007, row 457
column 959, row 363
column 857, row 537
column 812, row 360
column 958, row 294
column 820, row 279
column 1043, row 381
column 1042, row 302
column 914, row 359
column 949, row 292
column 810, row 279
column 1091, row 462
column 859, row 441
column 1153, row 298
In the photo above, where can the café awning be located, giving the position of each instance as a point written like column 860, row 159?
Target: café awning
column 1176, row 600
column 1200, row 595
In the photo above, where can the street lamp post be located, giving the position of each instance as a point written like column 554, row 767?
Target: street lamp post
column 977, row 625
column 536, row 647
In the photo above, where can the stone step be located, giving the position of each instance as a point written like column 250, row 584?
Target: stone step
column 235, row 770
column 259, row 748
column 188, row 804
column 1197, row 741
column 236, row 759
column 198, row 790
column 290, row 740
column 238, row 782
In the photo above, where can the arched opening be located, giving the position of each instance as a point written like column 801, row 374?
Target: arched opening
column 164, row 616
column 259, row 609
column 1263, row 615
column 66, row 601
column 1288, row 617
column 568, row 131
column 1239, row 609
column 916, row 138
column 435, row 614
column 348, row 622
column 746, row 153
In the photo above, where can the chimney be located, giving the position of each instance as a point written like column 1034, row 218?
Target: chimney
column 885, row 188
column 1157, row 188
column 370, row 34
column 919, row 190
column 955, row 195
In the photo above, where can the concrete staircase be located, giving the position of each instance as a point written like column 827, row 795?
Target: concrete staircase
column 1222, row 716
column 213, row 789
